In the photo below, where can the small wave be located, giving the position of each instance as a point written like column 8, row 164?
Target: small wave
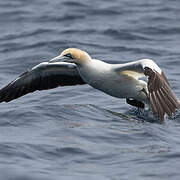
column 160, row 31
column 46, row 18
column 74, row 4
column 124, row 35
column 103, row 12
column 25, row 34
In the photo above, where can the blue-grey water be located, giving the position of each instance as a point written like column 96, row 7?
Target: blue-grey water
column 78, row 132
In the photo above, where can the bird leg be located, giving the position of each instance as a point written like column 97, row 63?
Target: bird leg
column 140, row 106
column 136, row 103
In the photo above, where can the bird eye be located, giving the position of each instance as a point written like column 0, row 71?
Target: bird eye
column 68, row 55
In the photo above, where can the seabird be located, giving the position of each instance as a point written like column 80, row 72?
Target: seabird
column 75, row 67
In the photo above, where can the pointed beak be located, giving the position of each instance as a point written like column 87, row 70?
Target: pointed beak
column 59, row 58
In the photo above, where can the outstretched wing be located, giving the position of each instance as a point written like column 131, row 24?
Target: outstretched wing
column 161, row 97
column 41, row 77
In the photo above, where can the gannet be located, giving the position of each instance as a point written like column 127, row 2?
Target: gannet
column 76, row 67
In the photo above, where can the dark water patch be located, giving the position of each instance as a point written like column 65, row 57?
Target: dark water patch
column 80, row 31
column 74, row 4
column 64, row 18
column 169, row 8
column 22, row 35
column 149, row 51
column 8, row 47
column 103, row 12
column 156, row 31
column 122, row 35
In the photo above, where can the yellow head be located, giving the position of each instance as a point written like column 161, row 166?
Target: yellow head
column 73, row 55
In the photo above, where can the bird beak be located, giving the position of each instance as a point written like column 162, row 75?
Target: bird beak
column 59, row 58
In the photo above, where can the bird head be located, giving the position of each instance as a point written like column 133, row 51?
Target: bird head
column 72, row 55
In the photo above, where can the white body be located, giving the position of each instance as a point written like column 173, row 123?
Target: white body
column 104, row 77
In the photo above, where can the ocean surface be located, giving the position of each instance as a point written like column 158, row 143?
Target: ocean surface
column 79, row 133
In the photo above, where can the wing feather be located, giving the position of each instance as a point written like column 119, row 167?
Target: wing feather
column 42, row 77
column 166, row 101
column 153, row 104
